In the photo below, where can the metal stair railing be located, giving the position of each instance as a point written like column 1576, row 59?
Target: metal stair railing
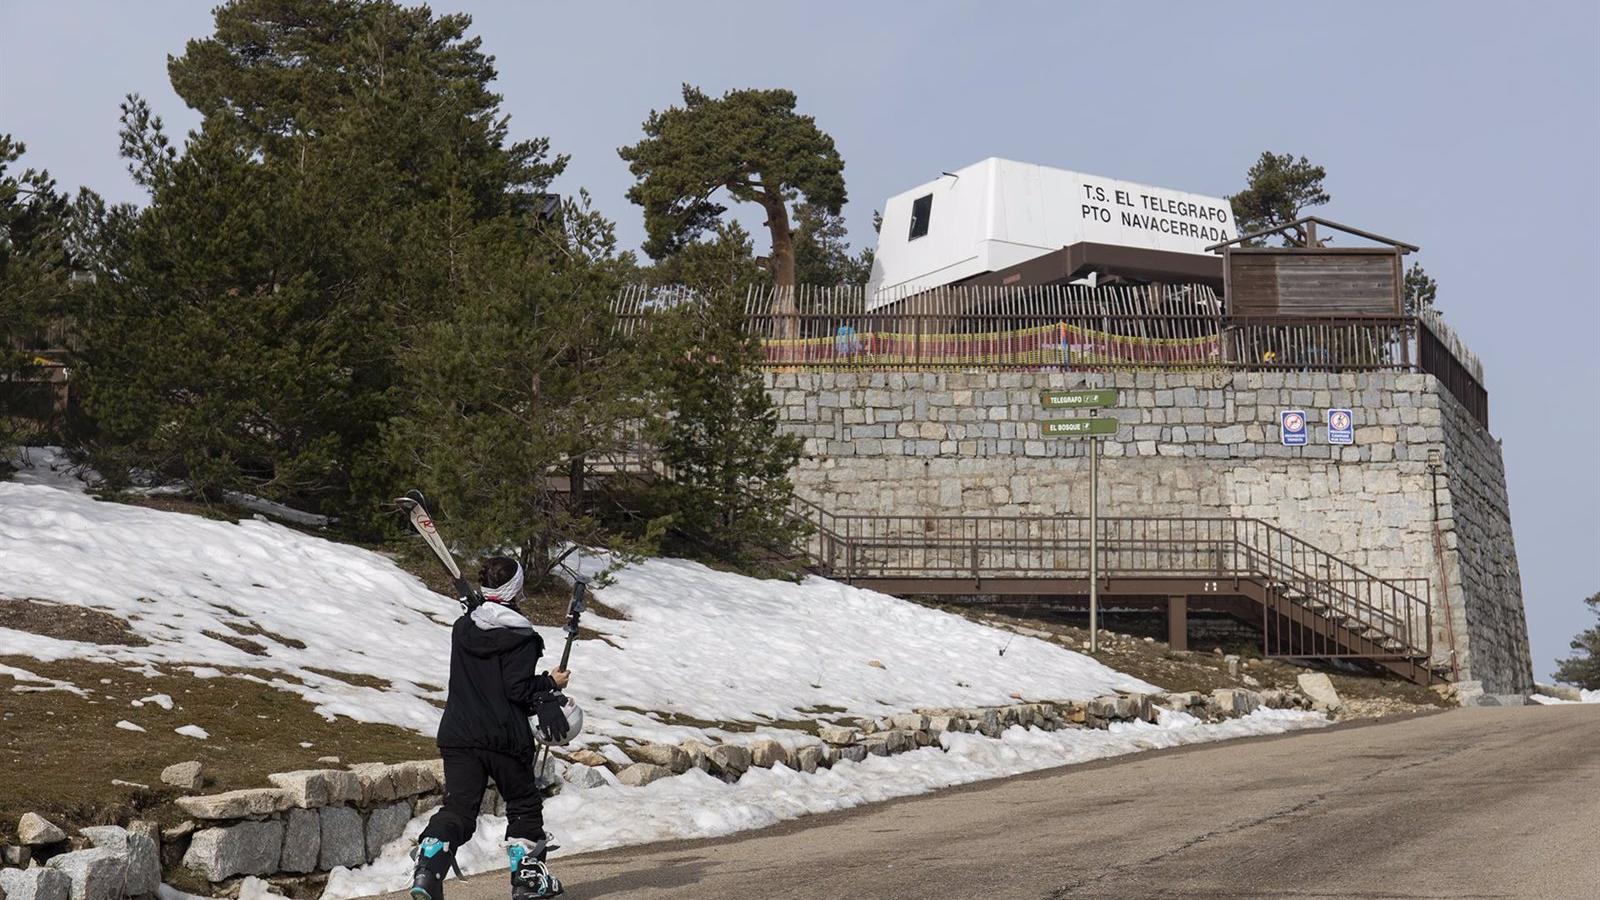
column 1389, row 617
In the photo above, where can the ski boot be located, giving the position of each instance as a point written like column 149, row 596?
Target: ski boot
column 433, row 858
column 530, row 877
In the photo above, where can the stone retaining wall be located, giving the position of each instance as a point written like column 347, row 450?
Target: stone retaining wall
column 1192, row 444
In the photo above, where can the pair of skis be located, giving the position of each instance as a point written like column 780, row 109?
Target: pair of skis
column 416, row 509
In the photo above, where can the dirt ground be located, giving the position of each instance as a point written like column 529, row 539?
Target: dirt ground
column 1153, row 660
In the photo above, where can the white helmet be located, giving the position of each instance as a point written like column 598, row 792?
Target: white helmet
column 574, row 714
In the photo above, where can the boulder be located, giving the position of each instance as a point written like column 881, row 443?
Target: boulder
column 729, row 760
column 1236, row 701
column 766, row 753
column 186, row 775
column 853, row 752
column 377, row 782
column 809, row 758
column 94, row 874
column 581, row 776
column 667, row 756
column 909, row 722
column 35, row 830
column 1142, row 707
column 309, row 788
column 139, row 854
column 344, row 841
column 386, row 823
column 149, row 829
column 248, row 848
column 900, row 740
column 12, row 855
column 302, row 841
column 1319, row 687
column 641, row 774
column 943, row 723
column 38, row 883
column 837, row 735
column 237, row 804
column 416, row 777
column 589, row 758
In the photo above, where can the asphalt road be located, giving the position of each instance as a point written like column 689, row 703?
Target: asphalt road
column 1468, row 803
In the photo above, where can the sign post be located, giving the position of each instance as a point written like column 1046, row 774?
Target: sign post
column 1093, row 428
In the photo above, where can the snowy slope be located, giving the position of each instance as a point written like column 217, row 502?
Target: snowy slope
column 698, row 643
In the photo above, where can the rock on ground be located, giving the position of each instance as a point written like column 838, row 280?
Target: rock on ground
column 35, row 884
column 35, row 830
column 186, row 775
column 766, row 753
column 384, row 825
column 302, row 841
column 248, row 848
column 140, row 854
column 344, row 841
column 1319, row 687
column 237, row 804
column 95, row 874
column 666, row 755
column 641, row 774
column 308, row 788
column 582, row 776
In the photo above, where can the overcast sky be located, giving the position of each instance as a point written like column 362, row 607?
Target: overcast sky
column 1472, row 130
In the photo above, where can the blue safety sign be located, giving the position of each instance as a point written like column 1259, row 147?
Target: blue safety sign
column 1341, row 427
column 1292, row 427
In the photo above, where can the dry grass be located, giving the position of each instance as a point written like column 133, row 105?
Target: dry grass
column 63, row 751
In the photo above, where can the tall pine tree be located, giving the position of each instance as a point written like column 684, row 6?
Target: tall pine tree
column 1583, row 667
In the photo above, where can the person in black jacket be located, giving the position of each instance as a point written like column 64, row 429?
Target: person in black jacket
column 494, row 688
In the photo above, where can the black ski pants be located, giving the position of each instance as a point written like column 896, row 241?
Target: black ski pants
column 466, row 776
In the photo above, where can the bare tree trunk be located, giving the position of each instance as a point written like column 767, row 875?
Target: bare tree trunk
column 783, row 274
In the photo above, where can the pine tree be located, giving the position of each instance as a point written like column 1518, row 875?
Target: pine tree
column 1420, row 290
column 717, row 429
column 518, row 379
column 1583, row 667
column 249, row 327
column 1279, row 188
column 822, row 249
column 750, row 145
column 36, row 269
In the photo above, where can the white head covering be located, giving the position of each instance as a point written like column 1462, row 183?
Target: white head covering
column 506, row 593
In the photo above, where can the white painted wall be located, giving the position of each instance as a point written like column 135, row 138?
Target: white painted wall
column 998, row 212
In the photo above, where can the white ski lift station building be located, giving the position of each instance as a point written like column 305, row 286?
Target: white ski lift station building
column 999, row 221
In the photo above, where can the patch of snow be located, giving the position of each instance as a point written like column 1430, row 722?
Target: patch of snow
column 194, row 731
column 52, row 467
column 696, row 805
column 30, row 682
column 1585, row 696
column 125, row 725
column 161, row 700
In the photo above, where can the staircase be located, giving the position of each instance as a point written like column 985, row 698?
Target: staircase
column 1308, row 603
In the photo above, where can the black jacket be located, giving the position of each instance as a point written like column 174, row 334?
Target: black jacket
column 494, row 685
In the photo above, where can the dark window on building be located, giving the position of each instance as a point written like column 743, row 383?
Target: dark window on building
column 921, row 209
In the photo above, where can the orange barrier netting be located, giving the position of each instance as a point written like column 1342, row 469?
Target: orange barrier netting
column 1049, row 346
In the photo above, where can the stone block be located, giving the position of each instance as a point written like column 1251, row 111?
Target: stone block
column 186, row 775
column 810, row 757
column 416, row 777
column 38, row 883
column 302, row 841
column 248, row 848
column 641, row 774
column 584, row 777
column 665, row 755
column 35, row 830
column 1319, row 687
column 729, row 760
column 140, row 856
column 309, row 788
column 343, row 839
column 236, row 804
column 909, row 721
column 385, row 824
column 766, row 753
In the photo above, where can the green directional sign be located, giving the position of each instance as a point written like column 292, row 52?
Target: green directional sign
column 1089, row 399
column 1086, row 427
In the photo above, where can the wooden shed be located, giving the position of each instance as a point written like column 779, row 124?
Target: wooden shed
column 1312, row 279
